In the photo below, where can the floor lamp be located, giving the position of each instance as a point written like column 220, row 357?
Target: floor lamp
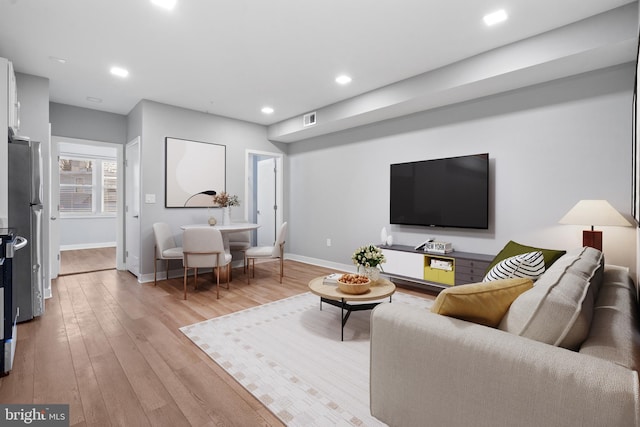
column 592, row 213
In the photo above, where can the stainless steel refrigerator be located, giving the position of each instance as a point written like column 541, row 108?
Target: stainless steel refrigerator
column 25, row 217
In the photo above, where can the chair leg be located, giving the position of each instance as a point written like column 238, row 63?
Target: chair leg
column 155, row 265
column 228, row 274
column 184, row 280
column 218, row 279
column 166, row 274
column 281, row 261
column 195, row 275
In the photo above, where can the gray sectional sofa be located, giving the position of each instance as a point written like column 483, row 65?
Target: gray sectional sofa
column 566, row 353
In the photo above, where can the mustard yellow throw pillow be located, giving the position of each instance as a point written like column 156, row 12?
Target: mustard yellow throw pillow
column 484, row 303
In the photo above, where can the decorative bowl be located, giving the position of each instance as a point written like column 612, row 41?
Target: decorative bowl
column 354, row 284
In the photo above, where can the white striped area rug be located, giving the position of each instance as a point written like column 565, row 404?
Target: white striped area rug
column 288, row 354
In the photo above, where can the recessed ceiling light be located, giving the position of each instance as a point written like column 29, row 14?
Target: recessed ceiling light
column 267, row 110
column 56, row 59
column 120, row 72
column 495, row 17
column 94, row 99
column 165, row 4
column 343, row 79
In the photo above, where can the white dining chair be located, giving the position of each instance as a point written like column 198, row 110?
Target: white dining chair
column 202, row 248
column 267, row 252
column 165, row 248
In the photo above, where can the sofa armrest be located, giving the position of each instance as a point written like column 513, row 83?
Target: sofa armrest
column 428, row 369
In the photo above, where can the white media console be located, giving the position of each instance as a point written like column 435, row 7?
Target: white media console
column 434, row 271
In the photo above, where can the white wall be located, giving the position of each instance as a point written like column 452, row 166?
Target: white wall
column 83, row 123
column 84, row 232
column 550, row 145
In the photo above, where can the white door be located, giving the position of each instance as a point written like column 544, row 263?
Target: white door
column 266, row 201
column 132, row 207
column 54, row 223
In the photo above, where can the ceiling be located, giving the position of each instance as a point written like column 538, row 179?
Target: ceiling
column 233, row 57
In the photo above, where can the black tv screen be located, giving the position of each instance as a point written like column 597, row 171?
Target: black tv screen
column 451, row 192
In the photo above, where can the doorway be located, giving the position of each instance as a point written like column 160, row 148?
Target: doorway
column 264, row 192
column 89, row 216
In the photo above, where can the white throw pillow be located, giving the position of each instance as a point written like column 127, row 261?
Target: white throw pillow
column 529, row 265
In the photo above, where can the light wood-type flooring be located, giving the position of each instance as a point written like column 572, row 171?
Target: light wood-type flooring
column 86, row 260
column 111, row 349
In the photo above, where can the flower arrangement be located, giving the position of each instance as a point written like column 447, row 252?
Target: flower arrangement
column 225, row 199
column 368, row 256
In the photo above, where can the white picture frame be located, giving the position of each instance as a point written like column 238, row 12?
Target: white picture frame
column 193, row 170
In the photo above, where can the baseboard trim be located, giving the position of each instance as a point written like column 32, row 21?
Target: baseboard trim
column 322, row 263
column 87, row 246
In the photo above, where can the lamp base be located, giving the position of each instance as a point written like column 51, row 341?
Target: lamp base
column 592, row 239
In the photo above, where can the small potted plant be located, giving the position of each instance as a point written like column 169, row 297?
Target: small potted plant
column 225, row 201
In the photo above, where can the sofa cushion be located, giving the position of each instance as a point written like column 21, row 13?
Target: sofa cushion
column 483, row 303
column 614, row 335
column 530, row 265
column 512, row 248
column 559, row 308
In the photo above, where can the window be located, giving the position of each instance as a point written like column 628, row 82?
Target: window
column 88, row 186
column 109, row 186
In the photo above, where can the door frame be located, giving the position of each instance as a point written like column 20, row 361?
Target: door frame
column 54, row 214
column 120, row 196
column 135, row 141
column 250, row 188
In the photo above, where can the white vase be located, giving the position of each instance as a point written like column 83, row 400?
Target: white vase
column 383, row 235
column 226, row 215
column 373, row 273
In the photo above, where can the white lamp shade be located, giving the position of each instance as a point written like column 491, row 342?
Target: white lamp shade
column 594, row 212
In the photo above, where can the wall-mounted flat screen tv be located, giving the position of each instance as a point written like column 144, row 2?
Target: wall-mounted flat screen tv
column 450, row 192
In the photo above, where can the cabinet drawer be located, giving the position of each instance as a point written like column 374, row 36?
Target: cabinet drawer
column 439, row 276
column 472, row 263
column 461, row 269
column 404, row 263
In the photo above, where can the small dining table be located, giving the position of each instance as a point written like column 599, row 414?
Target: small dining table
column 225, row 230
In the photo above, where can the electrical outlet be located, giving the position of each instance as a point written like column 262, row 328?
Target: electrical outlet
column 328, row 242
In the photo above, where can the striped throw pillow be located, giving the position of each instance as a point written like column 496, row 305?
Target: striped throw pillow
column 529, row 265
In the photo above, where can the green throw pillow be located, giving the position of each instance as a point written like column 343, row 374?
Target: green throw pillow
column 512, row 249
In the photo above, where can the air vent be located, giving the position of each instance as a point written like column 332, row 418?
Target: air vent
column 309, row 119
